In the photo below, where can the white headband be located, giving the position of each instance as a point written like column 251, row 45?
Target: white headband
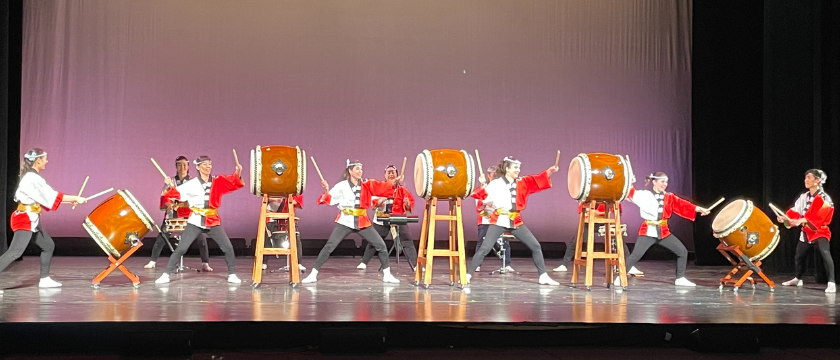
column 32, row 157
column 663, row 177
column 512, row 161
column 349, row 164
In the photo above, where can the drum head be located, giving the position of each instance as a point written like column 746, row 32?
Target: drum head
column 422, row 174
column 255, row 171
column 729, row 216
column 576, row 178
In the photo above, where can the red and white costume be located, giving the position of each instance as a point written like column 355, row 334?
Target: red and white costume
column 349, row 198
column 657, row 208
column 502, row 197
column 33, row 190
column 818, row 209
column 395, row 202
column 202, row 194
column 180, row 212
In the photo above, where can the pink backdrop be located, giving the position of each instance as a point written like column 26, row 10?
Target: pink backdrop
column 109, row 84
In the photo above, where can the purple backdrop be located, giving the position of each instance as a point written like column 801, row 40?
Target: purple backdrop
column 109, row 84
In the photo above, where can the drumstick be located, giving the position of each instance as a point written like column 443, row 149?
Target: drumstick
column 402, row 171
column 157, row 227
column 236, row 158
column 779, row 212
column 716, row 204
column 557, row 160
column 158, row 167
column 83, row 188
column 478, row 158
column 100, row 193
column 316, row 168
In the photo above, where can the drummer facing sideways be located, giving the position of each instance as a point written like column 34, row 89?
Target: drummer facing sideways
column 34, row 195
column 204, row 194
column 353, row 196
column 656, row 207
column 812, row 211
column 174, row 209
column 505, row 197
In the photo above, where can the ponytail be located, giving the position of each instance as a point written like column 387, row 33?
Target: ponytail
column 29, row 160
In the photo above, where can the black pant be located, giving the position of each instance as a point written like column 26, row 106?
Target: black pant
column 405, row 239
column 643, row 243
column 190, row 234
column 19, row 242
column 823, row 247
column 569, row 256
column 482, row 232
column 522, row 234
column 163, row 238
column 272, row 227
column 341, row 231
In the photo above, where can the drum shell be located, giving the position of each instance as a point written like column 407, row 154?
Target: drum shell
column 114, row 219
column 751, row 221
column 600, row 177
column 266, row 181
column 430, row 174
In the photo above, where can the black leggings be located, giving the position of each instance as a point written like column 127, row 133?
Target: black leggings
column 825, row 252
column 643, row 243
column 341, row 231
column 163, row 238
column 190, row 234
column 19, row 243
column 405, row 240
column 521, row 233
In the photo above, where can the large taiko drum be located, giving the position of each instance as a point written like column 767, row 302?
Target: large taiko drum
column 444, row 174
column 743, row 225
column 599, row 177
column 118, row 223
column 278, row 170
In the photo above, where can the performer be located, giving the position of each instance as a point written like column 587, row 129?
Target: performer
column 505, row 197
column 569, row 256
column 204, row 194
column 813, row 211
column 276, row 225
column 34, row 195
column 484, row 217
column 656, row 207
column 174, row 209
column 353, row 196
column 397, row 201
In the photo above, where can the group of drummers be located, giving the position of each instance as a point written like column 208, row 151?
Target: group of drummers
column 501, row 200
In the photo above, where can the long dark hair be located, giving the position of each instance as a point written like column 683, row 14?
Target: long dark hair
column 501, row 169
column 648, row 179
column 345, row 175
column 819, row 174
column 26, row 164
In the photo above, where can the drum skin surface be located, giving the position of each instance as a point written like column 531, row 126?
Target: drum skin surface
column 278, row 170
column 114, row 219
column 600, row 177
column 743, row 225
column 444, row 174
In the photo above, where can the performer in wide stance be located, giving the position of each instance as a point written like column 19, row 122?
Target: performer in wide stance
column 505, row 197
column 204, row 194
column 34, row 195
column 174, row 209
column 353, row 196
column 656, row 207
column 399, row 201
column 812, row 211
column 484, row 217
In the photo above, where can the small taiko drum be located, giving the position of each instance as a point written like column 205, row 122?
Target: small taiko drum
column 444, row 174
column 118, row 223
column 278, row 170
column 743, row 225
column 175, row 225
column 599, row 177
column 601, row 231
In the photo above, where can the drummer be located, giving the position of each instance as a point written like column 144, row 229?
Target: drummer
column 812, row 211
column 174, row 209
column 204, row 194
column 399, row 201
column 505, row 197
column 279, row 204
column 569, row 256
column 354, row 196
column 484, row 217
column 34, row 195
column 656, row 207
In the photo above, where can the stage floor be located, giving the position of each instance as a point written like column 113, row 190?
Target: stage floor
column 344, row 293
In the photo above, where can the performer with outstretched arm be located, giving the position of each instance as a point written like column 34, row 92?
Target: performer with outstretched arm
column 398, row 201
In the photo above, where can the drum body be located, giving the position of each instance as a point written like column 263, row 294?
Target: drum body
column 118, row 223
column 743, row 225
column 278, row 170
column 600, row 177
column 444, row 174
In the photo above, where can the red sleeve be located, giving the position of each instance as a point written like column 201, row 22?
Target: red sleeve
column 172, row 193
column 227, row 183
column 683, row 208
column 480, row 193
column 821, row 216
column 324, row 199
column 631, row 193
column 57, row 202
column 535, row 183
column 298, row 201
column 164, row 202
column 378, row 188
